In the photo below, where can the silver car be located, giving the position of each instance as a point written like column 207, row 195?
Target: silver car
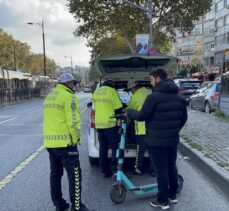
column 206, row 98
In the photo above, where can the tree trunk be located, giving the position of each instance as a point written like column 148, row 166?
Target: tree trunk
column 132, row 49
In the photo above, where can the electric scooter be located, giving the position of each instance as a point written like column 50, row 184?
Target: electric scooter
column 123, row 183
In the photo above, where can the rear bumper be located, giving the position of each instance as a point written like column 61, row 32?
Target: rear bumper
column 93, row 147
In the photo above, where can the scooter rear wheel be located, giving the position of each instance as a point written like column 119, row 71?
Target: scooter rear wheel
column 118, row 193
column 180, row 183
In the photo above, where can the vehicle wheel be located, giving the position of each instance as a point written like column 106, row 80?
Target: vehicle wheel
column 118, row 193
column 93, row 161
column 180, row 183
column 207, row 108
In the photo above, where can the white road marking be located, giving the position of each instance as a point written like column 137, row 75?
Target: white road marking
column 31, row 112
column 7, row 120
column 7, row 179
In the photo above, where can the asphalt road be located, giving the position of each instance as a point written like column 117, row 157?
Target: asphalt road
column 27, row 188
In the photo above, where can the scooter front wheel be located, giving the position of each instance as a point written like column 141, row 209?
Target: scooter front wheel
column 180, row 183
column 118, row 193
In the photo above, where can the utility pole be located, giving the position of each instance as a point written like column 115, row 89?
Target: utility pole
column 43, row 38
column 148, row 8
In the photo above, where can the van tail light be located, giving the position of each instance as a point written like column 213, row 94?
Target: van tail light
column 92, row 117
column 181, row 90
column 215, row 96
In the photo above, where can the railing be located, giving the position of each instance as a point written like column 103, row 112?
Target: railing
column 11, row 95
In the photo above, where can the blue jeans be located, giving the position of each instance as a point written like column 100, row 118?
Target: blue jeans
column 164, row 160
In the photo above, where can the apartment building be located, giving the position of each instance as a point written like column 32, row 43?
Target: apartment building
column 186, row 43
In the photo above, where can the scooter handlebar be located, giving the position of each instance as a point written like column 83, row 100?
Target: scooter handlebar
column 119, row 116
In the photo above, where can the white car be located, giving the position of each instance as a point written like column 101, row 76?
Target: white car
column 121, row 69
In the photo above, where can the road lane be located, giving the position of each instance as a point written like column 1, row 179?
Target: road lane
column 21, row 132
column 29, row 190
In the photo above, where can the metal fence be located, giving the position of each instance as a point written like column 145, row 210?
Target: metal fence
column 11, row 95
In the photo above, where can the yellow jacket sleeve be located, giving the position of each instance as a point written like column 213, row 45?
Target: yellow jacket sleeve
column 133, row 103
column 73, row 118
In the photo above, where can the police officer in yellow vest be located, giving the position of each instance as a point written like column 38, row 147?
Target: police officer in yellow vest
column 139, row 95
column 62, row 134
column 107, row 104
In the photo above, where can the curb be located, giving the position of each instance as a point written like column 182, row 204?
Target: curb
column 208, row 167
column 18, row 102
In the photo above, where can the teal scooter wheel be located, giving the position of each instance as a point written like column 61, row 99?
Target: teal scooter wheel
column 118, row 193
column 180, row 183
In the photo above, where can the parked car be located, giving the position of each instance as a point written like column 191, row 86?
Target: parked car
column 187, row 86
column 121, row 69
column 206, row 98
column 86, row 88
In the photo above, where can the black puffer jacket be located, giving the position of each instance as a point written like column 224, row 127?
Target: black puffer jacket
column 164, row 112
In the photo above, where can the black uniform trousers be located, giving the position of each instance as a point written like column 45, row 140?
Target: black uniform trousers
column 108, row 139
column 67, row 158
column 164, row 160
column 140, row 151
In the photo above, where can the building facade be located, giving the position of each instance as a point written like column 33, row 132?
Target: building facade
column 186, row 44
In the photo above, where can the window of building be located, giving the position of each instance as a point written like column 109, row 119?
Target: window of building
column 219, row 22
column 227, row 3
column 212, row 46
column 219, row 40
column 227, row 19
column 211, row 31
column 226, row 38
column 219, row 6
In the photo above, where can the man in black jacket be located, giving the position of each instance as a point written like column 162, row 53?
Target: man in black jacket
column 165, row 113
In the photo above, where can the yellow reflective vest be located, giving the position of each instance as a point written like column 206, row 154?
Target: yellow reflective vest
column 62, row 118
column 136, row 102
column 106, row 101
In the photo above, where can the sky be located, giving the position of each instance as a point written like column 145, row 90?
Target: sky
column 59, row 25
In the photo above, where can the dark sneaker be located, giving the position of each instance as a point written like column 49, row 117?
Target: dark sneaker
column 157, row 204
column 173, row 199
column 138, row 172
column 65, row 205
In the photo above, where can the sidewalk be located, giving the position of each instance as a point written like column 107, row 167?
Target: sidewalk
column 205, row 139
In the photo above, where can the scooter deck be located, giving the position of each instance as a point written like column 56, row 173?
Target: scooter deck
column 145, row 188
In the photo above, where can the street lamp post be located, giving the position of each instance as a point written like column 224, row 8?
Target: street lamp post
column 149, row 9
column 70, row 57
column 43, row 38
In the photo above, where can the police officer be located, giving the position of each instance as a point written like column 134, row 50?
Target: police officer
column 107, row 104
column 139, row 95
column 62, row 134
